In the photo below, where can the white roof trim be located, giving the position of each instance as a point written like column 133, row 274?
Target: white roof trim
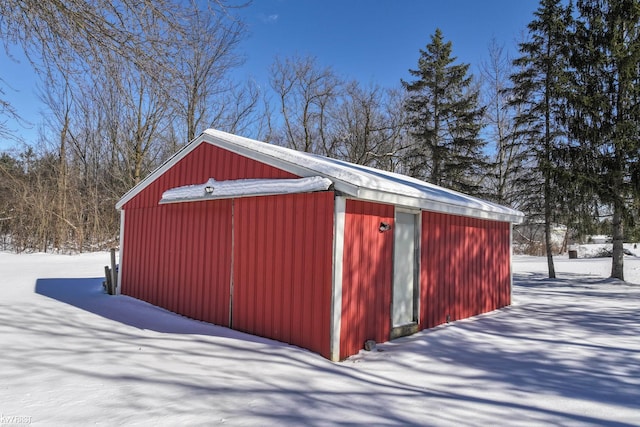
column 353, row 180
column 215, row 190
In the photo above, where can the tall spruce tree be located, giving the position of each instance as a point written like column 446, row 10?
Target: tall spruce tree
column 605, row 107
column 445, row 120
column 539, row 91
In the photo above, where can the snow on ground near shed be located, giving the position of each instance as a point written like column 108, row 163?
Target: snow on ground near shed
column 566, row 353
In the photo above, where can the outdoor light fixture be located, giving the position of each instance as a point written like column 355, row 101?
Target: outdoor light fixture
column 208, row 189
column 384, row 226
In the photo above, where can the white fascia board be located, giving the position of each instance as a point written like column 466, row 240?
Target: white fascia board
column 437, row 206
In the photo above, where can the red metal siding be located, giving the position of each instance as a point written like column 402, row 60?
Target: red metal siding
column 204, row 162
column 465, row 267
column 178, row 257
column 282, row 268
column 367, row 276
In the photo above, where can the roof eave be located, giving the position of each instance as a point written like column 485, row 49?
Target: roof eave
column 508, row 215
column 168, row 164
column 296, row 169
column 218, row 139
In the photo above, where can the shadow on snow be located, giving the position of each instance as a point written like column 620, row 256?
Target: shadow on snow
column 541, row 346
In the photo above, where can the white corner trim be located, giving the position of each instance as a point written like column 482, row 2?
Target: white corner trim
column 510, row 264
column 119, row 287
column 340, row 204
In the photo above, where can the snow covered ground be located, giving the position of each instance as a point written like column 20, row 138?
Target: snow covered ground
column 567, row 352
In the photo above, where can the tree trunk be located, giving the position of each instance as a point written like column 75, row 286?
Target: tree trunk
column 617, row 267
column 62, row 189
column 547, row 243
column 547, row 170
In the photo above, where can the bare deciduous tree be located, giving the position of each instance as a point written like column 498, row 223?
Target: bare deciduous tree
column 501, row 130
column 304, row 93
column 112, row 72
column 204, row 56
column 7, row 112
column 367, row 128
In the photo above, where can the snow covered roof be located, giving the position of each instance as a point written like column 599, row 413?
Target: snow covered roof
column 353, row 180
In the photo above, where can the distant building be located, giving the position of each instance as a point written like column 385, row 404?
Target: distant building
column 599, row 238
column 528, row 238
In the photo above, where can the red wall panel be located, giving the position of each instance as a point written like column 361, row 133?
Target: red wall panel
column 204, row 162
column 178, row 257
column 465, row 267
column 282, row 268
column 367, row 275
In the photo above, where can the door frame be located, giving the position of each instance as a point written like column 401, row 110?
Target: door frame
column 413, row 326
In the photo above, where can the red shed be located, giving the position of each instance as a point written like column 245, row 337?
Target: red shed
column 308, row 250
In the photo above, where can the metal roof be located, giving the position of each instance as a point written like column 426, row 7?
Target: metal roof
column 353, row 180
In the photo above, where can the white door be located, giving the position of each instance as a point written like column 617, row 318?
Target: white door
column 405, row 269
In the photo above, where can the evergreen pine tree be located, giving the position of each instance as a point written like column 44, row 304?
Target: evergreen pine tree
column 605, row 107
column 539, row 92
column 445, row 120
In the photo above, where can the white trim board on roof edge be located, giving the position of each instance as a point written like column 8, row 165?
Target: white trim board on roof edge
column 357, row 181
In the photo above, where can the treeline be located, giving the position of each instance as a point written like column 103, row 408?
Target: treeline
column 553, row 132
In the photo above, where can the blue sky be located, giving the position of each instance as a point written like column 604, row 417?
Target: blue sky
column 377, row 41
column 372, row 41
